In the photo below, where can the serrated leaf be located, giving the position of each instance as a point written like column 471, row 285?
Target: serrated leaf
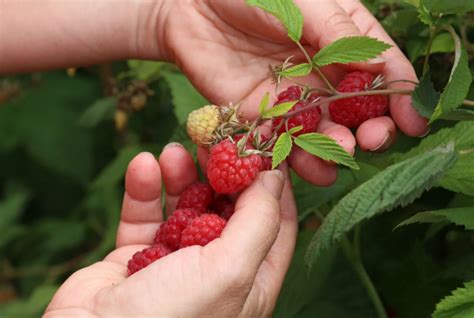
column 349, row 50
column 325, row 148
column 424, row 13
column 399, row 184
column 458, row 84
column 295, row 129
column 279, row 110
column 282, row 149
column 460, row 304
column 459, row 216
column 297, row 70
column 263, row 103
column 101, row 109
column 185, row 97
column 461, row 177
column 425, row 97
column 459, row 114
column 286, row 12
column 452, row 6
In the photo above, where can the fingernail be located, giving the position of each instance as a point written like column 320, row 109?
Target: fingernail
column 273, row 182
column 384, row 144
column 377, row 60
column 173, row 144
column 425, row 133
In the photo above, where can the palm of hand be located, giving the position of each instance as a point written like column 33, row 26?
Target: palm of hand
column 225, row 48
column 229, row 276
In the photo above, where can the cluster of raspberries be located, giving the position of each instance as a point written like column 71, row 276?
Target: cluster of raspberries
column 199, row 218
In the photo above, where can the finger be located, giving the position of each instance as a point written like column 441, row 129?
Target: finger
column 396, row 67
column 141, row 209
column 324, row 24
column 273, row 270
column 178, row 170
column 341, row 134
column 376, row 134
column 253, row 228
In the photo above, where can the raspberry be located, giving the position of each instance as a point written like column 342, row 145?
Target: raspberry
column 170, row 232
column 197, row 195
column 202, row 230
column 223, row 207
column 145, row 257
column 308, row 119
column 353, row 111
column 202, row 123
column 227, row 171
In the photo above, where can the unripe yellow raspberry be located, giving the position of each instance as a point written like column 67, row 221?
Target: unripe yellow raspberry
column 202, row 123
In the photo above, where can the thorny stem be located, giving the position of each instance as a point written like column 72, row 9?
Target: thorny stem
column 348, row 95
column 316, row 68
column 353, row 254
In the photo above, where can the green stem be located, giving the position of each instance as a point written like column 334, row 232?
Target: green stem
column 359, row 268
column 316, row 68
column 427, row 56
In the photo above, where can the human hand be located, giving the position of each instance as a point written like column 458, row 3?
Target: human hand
column 225, row 48
column 240, row 273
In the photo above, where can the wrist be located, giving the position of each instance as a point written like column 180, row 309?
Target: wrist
column 148, row 39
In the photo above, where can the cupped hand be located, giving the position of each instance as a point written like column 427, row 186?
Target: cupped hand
column 240, row 273
column 226, row 47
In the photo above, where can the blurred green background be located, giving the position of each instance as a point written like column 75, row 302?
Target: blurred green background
column 67, row 136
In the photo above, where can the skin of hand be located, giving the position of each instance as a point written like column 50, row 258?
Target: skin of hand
column 238, row 274
column 224, row 47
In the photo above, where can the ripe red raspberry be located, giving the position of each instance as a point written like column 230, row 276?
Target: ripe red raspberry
column 351, row 112
column 223, row 207
column 170, row 232
column 308, row 119
column 227, row 171
column 197, row 195
column 145, row 257
column 202, row 230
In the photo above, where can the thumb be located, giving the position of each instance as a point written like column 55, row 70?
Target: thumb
column 254, row 227
column 328, row 22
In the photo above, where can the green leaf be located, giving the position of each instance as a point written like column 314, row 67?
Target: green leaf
column 101, row 109
column 424, row 13
column 297, row 70
column 295, row 129
column 458, row 84
column 326, row 149
column 350, row 49
column 33, row 306
column 185, row 97
column 263, row 103
column 279, row 110
column 399, row 184
column 282, row 149
column 425, row 97
column 451, row 6
column 459, row 114
column 286, row 12
column 459, row 216
column 460, row 304
column 461, row 177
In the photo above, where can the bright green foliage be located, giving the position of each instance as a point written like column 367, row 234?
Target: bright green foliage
column 325, row 148
column 350, row 49
column 263, row 103
column 297, row 70
column 458, row 216
column 281, row 149
column 286, row 12
column 279, row 110
column 458, row 305
column 399, row 184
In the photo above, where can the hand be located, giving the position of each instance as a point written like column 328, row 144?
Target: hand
column 225, row 48
column 240, row 273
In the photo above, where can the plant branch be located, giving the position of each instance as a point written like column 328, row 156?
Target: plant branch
column 428, row 49
column 364, row 277
column 348, row 95
column 468, row 102
column 316, row 68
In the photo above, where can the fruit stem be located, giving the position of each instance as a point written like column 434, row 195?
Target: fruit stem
column 348, row 95
column 468, row 102
column 316, row 68
column 356, row 262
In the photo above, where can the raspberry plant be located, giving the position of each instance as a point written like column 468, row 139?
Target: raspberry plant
column 353, row 259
